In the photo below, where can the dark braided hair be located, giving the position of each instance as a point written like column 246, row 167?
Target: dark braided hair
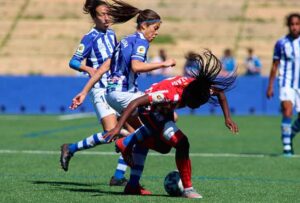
column 198, row 92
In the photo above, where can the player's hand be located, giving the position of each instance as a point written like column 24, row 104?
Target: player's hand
column 77, row 100
column 270, row 92
column 169, row 63
column 232, row 126
column 112, row 135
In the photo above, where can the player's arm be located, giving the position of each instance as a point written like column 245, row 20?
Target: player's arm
column 139, row 66
column 82, row 52
column 79, row 98
column 83, row 68
column 274, row 68
column 224, row 105
column 141, row 101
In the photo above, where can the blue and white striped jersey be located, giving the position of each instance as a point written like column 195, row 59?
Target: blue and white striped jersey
column 287, row 50
column 96, row 47
column 122, row 78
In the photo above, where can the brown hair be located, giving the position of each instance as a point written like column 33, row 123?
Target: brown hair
column 121, row 12
column 90, row 6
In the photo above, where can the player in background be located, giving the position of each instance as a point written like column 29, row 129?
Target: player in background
column 156, row 109
column 96, row 48
column 128, row 59
column 286, row 58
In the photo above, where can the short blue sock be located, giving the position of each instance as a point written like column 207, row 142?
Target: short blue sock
column 73, row 148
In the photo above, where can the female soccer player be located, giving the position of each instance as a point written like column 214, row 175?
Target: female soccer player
column 97, row 47
column 156, row 110
column 287, row 58
column 128, row 59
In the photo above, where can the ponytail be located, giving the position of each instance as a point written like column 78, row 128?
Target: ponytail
column 122, row 12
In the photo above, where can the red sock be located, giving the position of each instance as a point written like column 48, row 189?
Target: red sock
column 185, row 171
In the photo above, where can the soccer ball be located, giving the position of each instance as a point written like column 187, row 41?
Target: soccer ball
column 173, row 185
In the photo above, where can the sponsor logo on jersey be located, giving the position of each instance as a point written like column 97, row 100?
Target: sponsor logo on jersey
column 158, row 97
column 141, row 50
column 80, row 49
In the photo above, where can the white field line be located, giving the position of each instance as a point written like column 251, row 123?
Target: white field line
column 151, row 154
column 75, row 116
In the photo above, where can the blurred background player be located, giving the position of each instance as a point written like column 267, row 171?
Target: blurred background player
column 128, row 59
column 162, row 56
column 228, row 62
column 252, row 64
column 156, row 109
column 286, row 58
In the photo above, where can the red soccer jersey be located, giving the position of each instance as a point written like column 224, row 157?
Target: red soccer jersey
column 167, row 95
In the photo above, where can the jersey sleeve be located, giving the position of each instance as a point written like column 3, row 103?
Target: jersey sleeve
column 140, row 50
column 277, row 50
column 82, row 51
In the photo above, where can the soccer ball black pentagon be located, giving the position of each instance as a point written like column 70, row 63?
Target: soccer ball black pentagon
column 173, row 184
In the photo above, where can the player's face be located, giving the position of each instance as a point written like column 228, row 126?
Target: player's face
column 102, row 19
column 151, row 31
column 294, row 27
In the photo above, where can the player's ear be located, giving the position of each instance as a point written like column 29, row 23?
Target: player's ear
column 143, row 26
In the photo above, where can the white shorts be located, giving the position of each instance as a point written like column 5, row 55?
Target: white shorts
column 102, row 108
column 120, row 100
column 290, row 94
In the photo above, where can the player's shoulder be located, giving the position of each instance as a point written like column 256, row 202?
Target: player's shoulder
column 281, row 41
column 140, row 39
column 91, row 35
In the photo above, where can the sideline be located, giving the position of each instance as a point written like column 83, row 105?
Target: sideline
column 230, row 155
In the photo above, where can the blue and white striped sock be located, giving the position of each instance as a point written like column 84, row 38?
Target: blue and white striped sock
column 139, row 156
column 88, row 142
column 121, row 169
column 286, row 132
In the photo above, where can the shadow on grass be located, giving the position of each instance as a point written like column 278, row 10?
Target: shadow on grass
column 60, row 183
column 96, row 192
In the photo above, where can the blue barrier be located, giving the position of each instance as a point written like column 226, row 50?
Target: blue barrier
column 53, row 95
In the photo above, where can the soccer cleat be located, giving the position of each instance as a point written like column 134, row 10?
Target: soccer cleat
column 126, row 152
column 137, row 190
column 192, row 194
column 117, row 182
column 65, row 156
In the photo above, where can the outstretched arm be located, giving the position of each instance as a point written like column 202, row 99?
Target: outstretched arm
column 139, row 67
column 224, row 105
column 141, row 101
column 79, row 98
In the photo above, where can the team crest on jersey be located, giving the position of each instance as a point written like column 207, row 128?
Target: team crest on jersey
column 141, row 50
column 80, row 48
column 158, row 97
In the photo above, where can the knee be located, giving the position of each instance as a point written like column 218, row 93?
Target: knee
column 287, row 109
column 164, row 150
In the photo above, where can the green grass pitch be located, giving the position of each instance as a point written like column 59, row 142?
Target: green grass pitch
column 247, row 167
